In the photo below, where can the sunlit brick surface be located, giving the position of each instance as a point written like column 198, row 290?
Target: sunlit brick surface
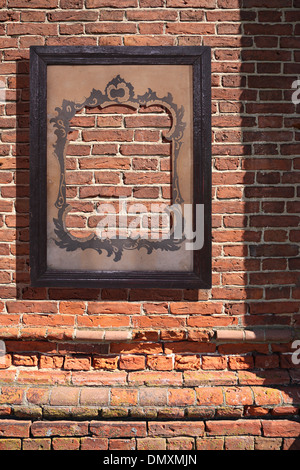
column 187, row 369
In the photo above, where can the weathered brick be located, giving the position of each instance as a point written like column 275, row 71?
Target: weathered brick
column 61, row 396
column 152, row 396
column 104, row 362
column 155, row 378
column 10, row 444
column 201, row 378
column 238, row 396
column 238, row 428
column 282, row 428
column 123, row 397
column 132, row 362
column 265, row 443
column 239, row 443
column 266, row 396
column 151, row 443
column 94, row 443
column 11, row 395
column 112, row 429
column 65, row 443
column 13, row 428
column 210, row 443
column 167, row 429
column 160, row 362
column 181, row 397
column 77, row 363
column 36, row 444
column 99, row 378
column 182, row 443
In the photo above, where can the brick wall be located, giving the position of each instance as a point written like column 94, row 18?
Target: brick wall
column 141, row 173
column 163, row 369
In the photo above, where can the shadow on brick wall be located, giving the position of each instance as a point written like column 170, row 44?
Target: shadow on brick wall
column 259, row 144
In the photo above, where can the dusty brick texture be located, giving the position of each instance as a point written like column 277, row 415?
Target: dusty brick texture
column 187, row 369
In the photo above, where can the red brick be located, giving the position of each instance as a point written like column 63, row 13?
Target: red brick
column 173, row 429
column 33, row 4
column 213, row 362
column 266, row 443
column 202, row 308
column 229, row 428
column 240, row 362
column 139, row 348
column 61, row 428
column 72, row 308
column 137, row 40
column 37, row 444
column 94, row 443
column 154, row 378
column 131, row 362
column 13, row 428
column 181, row 443
column 104, row 362
column 11, row 395
column 236, row 396
column 71, row 41
column 113, row 308
column 99, row 378
column 267, row 377
column 112, row 429
column 151, row 443
column 24, row 360
column 189, row 347
column 281, row 428
column 52, row 362
column 64, row 396
column 43, row 377
column 184, row 397
column 209, row 396
column 169, row 365
column 39, row 29
column 111, row 3
column 152, row 396
column 26, row 306
column 123, row 397
column 205, row 378
column 65, row 443
column 239, row 443
column 187, row 362
column 70, row 16
column 284, row 411
column 191, row 3
column 210, row 443
column 159, row 362
column 38, row 396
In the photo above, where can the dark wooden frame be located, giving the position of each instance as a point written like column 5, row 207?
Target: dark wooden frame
column 40, row 58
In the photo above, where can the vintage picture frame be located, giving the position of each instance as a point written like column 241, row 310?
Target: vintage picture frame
column 67, row 81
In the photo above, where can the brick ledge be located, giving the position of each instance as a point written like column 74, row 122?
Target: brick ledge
column 257, row 335
column 200, row 335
